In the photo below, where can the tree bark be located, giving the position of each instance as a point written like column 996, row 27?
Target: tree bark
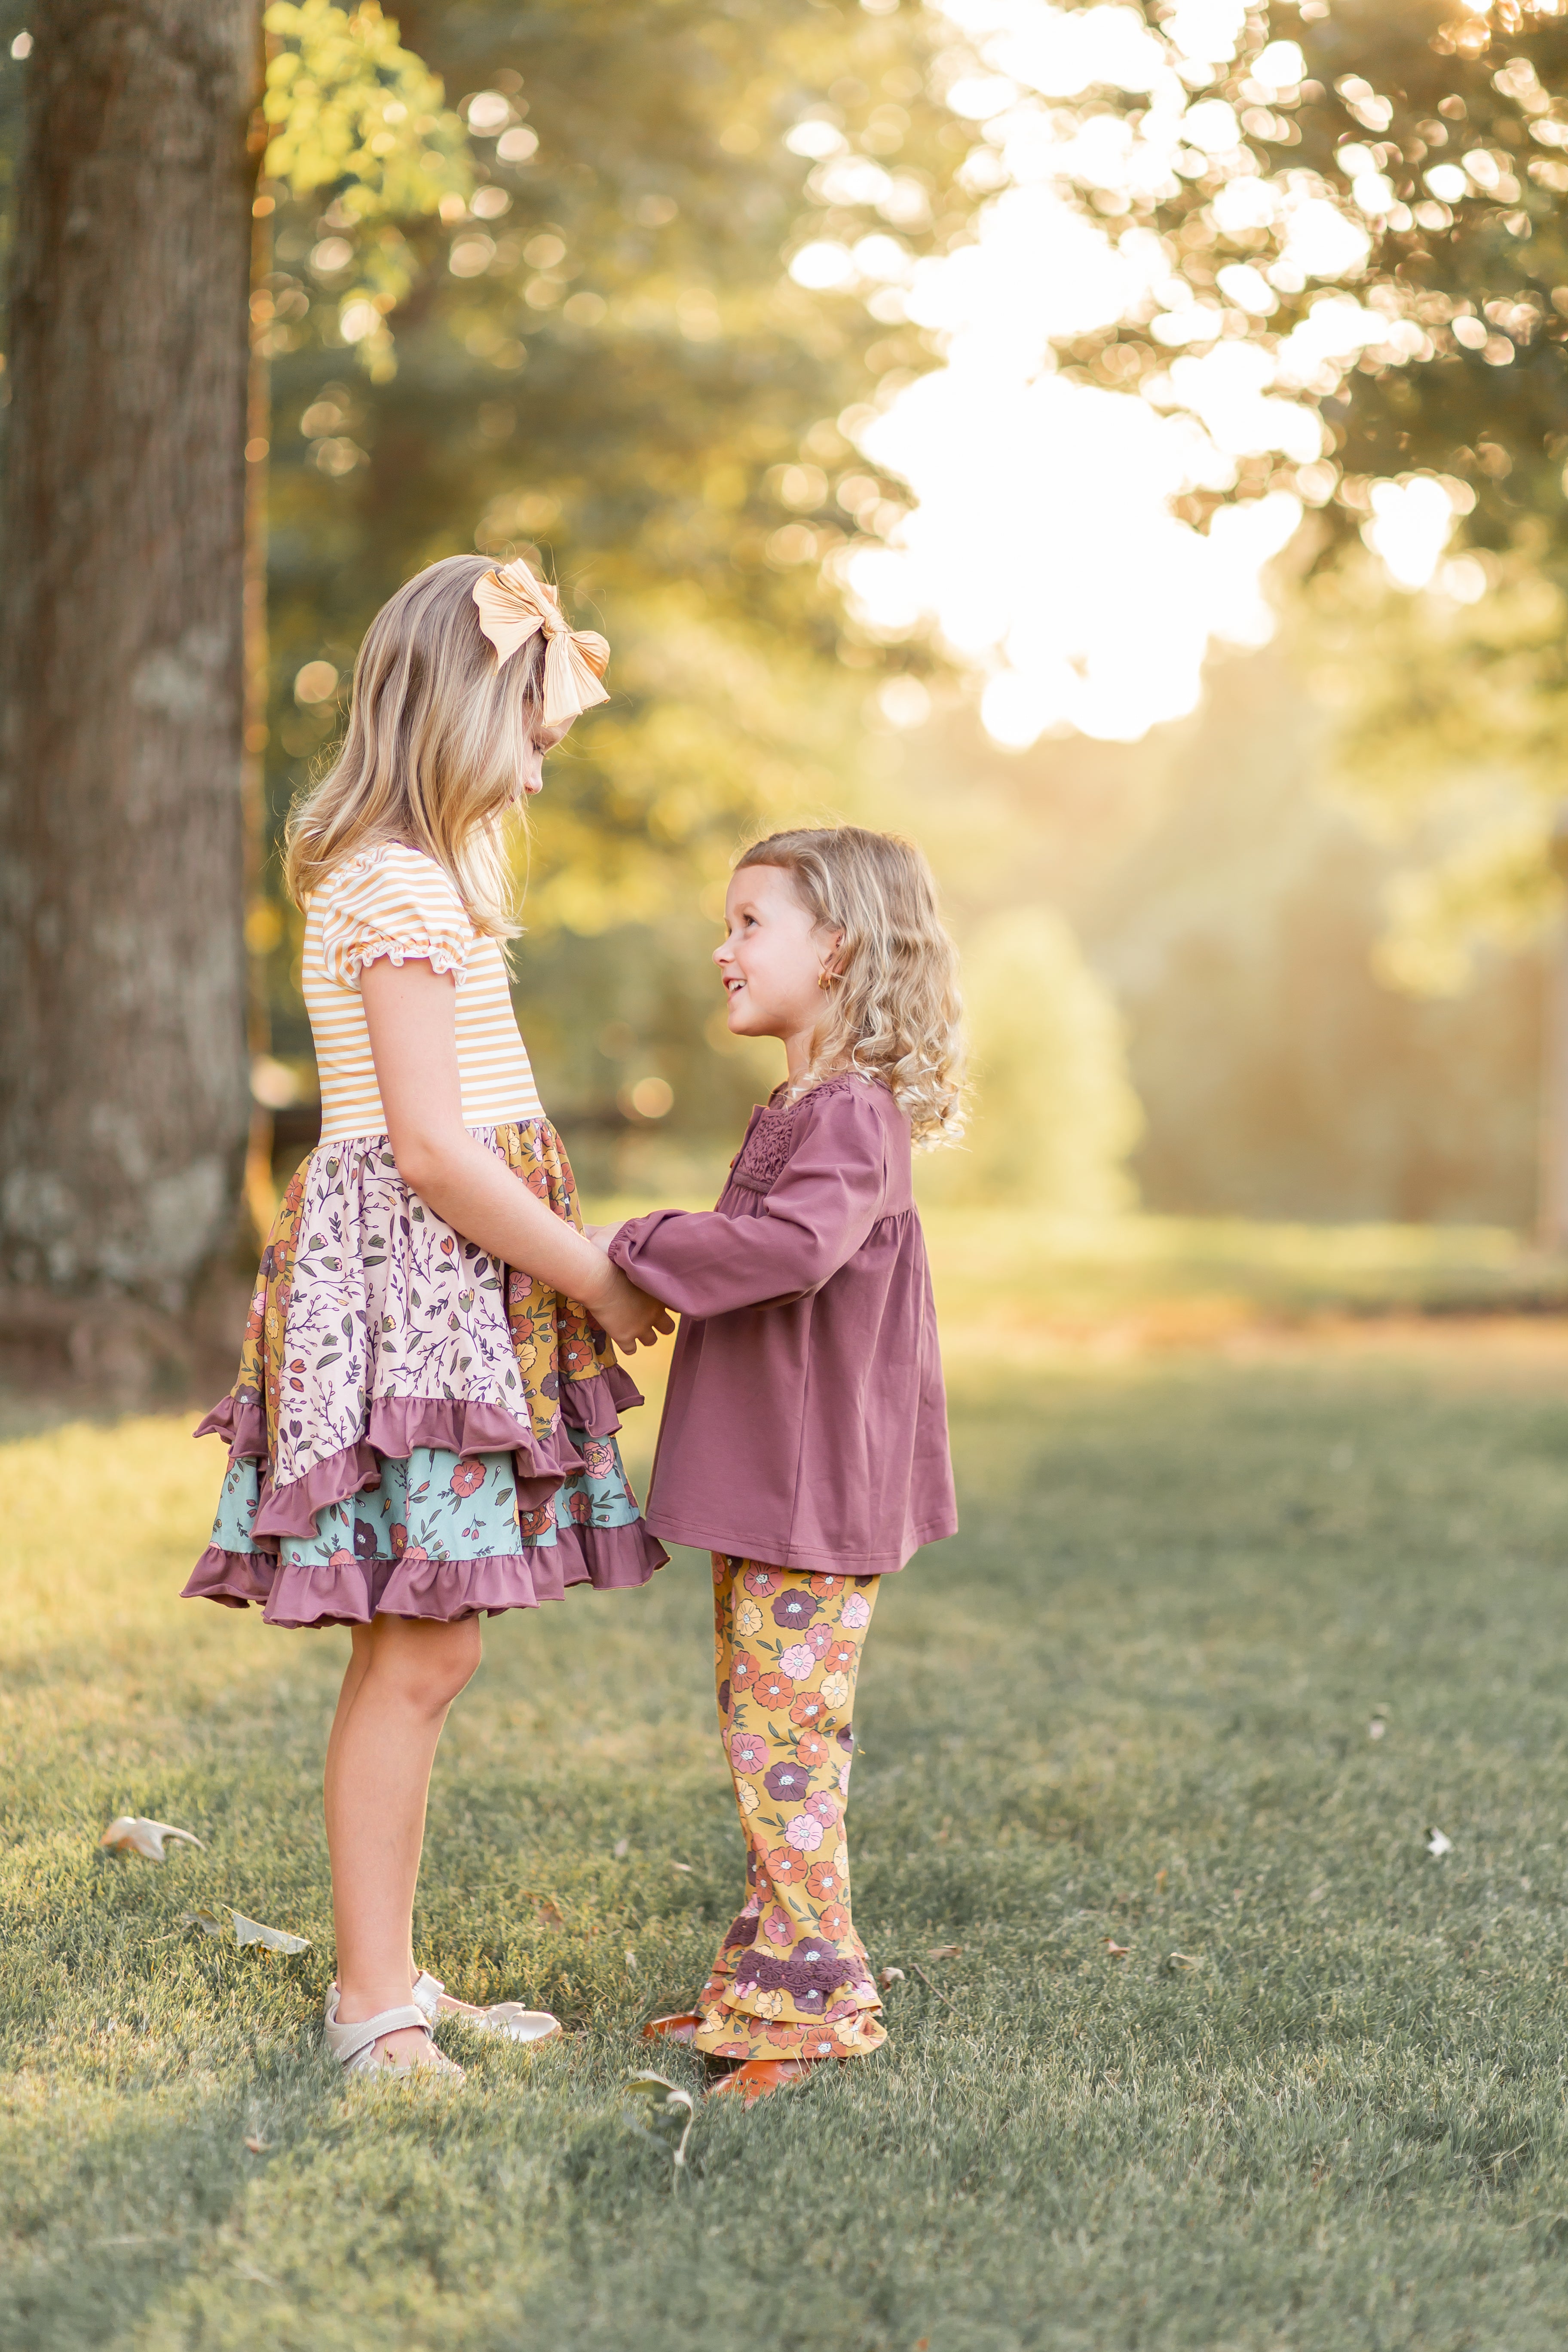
column 124, row 1101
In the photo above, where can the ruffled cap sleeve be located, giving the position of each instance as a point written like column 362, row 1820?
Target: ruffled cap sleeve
column 397, row 903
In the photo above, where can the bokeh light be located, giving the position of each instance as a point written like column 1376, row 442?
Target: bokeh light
column 1043, row 547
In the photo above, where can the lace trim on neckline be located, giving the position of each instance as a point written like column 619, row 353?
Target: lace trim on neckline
column 762, row 1156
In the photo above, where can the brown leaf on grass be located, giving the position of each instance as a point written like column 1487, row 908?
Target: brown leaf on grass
column 1160, row 1878
column 132, row 1833
column 1114, row 1950
column 1183, row 1960
column 255, row 2144
column 945, row 1951
column 245, row 1931
column 550, row 1913
column 890, row 1977
column 686, row 1866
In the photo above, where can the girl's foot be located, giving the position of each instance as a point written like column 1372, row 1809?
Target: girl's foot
column 679, row 2028
column 395, row 2042
column 754, row 2078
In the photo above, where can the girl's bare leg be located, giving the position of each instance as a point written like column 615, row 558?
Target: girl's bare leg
column 403, row 1676
column 354, row 1675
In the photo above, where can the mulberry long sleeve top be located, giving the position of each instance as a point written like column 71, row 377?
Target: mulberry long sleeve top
column 805, row 1422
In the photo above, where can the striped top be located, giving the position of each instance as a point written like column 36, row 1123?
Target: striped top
column 394, row 901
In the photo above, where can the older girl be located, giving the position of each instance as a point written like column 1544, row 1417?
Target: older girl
column 804, row 1434
column 423, row 1427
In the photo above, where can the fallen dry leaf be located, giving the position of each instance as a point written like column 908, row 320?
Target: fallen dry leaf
column 1160, row 1878
column 686, row 1866
column 1116, row 1951
column 271, row 1940
column 934, row 1985
column 1182, row 1960
column 890, row 1977
column 1437, row 1845
column 945, row 1951
column 245, row 1931
column 621, row 1848
column 256, row 2146
column 551, row 1915
column 632, row 1961
column 1376, row 1727
column 1317, row 1893
column 131, row 1834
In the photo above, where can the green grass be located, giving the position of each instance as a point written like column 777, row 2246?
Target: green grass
column 1130, row 1703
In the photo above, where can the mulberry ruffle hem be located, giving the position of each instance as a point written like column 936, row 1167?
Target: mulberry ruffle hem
column 350, row 1487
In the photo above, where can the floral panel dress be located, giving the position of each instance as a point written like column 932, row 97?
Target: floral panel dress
column 416, row 1429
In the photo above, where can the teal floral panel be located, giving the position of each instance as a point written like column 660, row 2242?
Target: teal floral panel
column 438, row 1505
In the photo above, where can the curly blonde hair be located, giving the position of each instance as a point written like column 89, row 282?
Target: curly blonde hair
column 436, row 742
column 893, row 1011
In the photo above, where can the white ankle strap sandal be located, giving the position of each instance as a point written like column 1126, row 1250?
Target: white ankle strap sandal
column 508, row 2018
column 353, row 2045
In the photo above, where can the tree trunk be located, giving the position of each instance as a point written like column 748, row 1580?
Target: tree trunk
column 122, row 1067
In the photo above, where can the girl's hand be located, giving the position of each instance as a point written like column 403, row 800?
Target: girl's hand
column 631, row 1317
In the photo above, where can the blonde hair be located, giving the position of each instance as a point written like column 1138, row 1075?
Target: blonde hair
column 436, row 744
column 893, row 1011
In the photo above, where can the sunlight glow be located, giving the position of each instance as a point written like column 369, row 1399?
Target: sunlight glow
column 1412, row 522
column 1043, row 545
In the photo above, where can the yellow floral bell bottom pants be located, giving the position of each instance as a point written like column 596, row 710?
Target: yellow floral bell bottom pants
column 791, row 1980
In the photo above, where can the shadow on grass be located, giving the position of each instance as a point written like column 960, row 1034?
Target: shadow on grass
column 110, row 2202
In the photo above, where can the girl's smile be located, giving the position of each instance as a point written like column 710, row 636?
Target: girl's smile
column 773, row 960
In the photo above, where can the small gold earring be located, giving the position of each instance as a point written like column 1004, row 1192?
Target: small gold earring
column 825, row 979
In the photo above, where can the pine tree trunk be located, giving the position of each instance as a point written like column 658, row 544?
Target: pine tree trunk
column 124, row 1101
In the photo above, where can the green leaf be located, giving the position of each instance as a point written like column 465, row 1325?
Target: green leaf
column 663, row 2098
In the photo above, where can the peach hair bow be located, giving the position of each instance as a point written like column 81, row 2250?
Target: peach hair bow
column 513, row 607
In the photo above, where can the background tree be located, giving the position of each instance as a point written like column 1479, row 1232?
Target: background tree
column 136, row 410
column 122, row 1105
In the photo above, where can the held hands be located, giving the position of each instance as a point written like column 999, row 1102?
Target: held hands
column 631, row 1317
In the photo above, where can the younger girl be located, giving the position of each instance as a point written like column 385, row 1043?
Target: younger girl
column 423, row 1427
column 804, row 1434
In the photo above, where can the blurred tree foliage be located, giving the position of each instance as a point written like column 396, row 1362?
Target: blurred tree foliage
column 1451, row 718
column 603, row 363
column 353, row 112
column 1430, row 139
column 1055, row 1119
column 1470, row 278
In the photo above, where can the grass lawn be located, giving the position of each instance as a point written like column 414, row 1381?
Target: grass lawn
column 1318, row 2103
